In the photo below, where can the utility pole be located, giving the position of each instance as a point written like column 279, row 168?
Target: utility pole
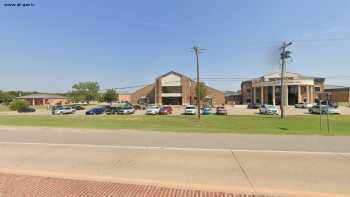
column 285, row 55
column 197, row 51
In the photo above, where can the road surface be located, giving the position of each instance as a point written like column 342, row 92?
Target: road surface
column 258, row 164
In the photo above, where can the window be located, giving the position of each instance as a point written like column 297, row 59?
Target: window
column 171, row 89
column 317, row 89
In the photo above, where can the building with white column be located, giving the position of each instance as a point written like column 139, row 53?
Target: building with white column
column 267, row 89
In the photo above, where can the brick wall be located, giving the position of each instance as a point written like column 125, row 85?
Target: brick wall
column 340, row 95
column 147, row 91
column 247, row 91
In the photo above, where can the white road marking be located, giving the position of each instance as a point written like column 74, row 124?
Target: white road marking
column 171, row 148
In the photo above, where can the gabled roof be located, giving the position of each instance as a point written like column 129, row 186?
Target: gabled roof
column 172, row 72
column 42, row 96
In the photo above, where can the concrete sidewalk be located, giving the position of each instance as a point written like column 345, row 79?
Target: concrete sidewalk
column 284, row 173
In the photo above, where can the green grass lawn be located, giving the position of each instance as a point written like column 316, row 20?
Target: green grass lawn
column 308, row 125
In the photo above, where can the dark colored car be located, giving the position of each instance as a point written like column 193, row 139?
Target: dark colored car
column 221, row 111
column 77, row 107
column 26, row 110
column 254, row 105
column 165, row 110
column 95, row 111
column 206, row 111
column 137, row 107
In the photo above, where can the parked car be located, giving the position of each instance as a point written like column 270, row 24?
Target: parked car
column 221, row 111
column 268, row 109
column 111, row 110
column 299, row 105
column 137, row 107
column 308, row 105
column 330, row 103
column 254, row 106
column 77, row 107
column 126, row 110
column 190, row 110
column 166, row 110
column 324, row 109
column 26, row 110
column 206, row 111
column 303, row 105
column 63, row 110
column 152, row 110
column 95, row 111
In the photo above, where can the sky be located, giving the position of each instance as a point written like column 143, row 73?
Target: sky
column 119, row 43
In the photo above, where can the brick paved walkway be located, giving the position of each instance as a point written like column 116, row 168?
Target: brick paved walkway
column 34, row 186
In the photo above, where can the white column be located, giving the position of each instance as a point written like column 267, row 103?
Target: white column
column 274, row 95
column 262, row 94
column 254, row 94
column 299, row 94
column 286, row 95
column 308, row 94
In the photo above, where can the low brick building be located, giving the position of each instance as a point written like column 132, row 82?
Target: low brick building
column 173, row 88
column 233, row 98
column 45, row 99
column 338, row 93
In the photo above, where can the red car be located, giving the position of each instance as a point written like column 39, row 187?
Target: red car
column 166, row 110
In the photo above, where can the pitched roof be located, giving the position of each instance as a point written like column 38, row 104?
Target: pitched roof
column 42, row 96
column 172, row 72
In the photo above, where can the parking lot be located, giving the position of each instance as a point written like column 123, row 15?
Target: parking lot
column 179, row 110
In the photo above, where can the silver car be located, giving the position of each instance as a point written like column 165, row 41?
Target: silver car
column 268, row 109
column 324, row 109
column 63, row 110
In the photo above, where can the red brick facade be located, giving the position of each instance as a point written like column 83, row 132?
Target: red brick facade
column 188, row 92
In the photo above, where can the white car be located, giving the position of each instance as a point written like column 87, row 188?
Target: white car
column 190, row 110
column 268, row 109
column 63, row 110
column 152, row 110
column 304, row 105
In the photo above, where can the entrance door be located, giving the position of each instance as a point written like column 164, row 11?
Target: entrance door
column 172, row 100
column 292, row 95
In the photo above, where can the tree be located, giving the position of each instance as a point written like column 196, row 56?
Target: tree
column 5, row 97
column 203, row 90
column 86, row 91
column 19, row 104
column 110, row 96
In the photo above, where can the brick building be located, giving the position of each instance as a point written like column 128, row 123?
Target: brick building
column 338, row 93
column 45, row 99
column 173, row 88
column 267, row 89
column 233, row 98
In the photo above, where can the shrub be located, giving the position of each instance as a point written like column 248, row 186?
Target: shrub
column 19, row 104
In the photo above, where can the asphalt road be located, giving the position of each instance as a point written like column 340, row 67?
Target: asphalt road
column 310, row 143
column 276, row 165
